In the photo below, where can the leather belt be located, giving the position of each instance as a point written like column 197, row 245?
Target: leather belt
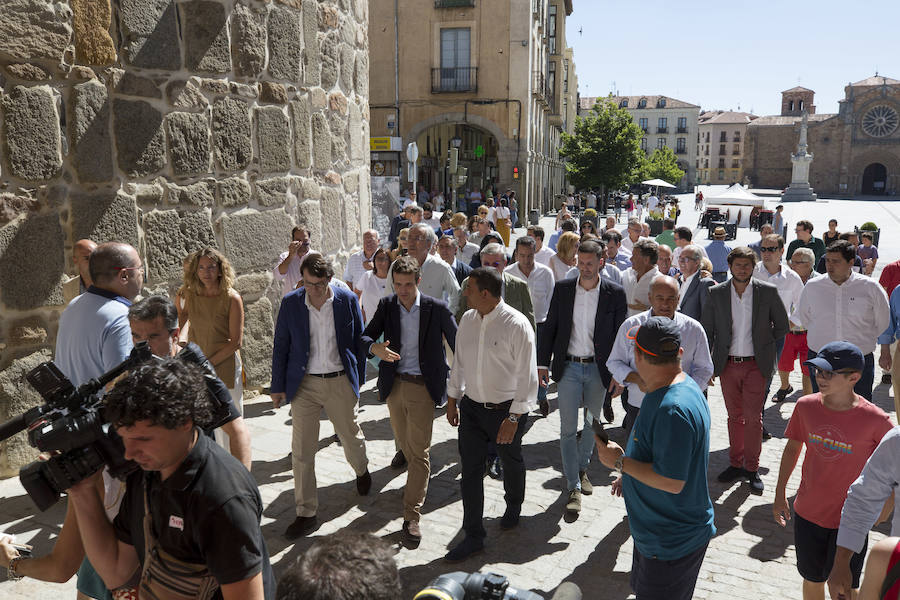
column 740, row 359
column 798, row 331
column 412, row 378
column 580, row 359
column 327, row 375
column 490, row 405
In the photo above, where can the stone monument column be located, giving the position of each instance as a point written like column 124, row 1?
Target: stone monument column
column 799, row 190
column 172, row 126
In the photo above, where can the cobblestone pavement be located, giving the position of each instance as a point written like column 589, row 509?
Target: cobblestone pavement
column 750, row 556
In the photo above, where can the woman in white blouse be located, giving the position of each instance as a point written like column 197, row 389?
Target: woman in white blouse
column 564, row 259
column 373, row 284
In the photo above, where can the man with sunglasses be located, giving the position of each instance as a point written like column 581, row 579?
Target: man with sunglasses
column 840, row 430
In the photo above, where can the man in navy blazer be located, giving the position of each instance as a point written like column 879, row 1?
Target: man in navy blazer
column 414, row 328
column 694, row 286
column 318, row 362
column 447, row 251
column 575, row 342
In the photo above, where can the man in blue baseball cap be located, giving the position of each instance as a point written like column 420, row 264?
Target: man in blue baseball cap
column 663, row 469
column 840, row 429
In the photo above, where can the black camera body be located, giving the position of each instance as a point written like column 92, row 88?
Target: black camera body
column 473, row 586
column 71, row 428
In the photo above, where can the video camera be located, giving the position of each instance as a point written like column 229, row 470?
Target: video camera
column 486, row 586
column 71, row 427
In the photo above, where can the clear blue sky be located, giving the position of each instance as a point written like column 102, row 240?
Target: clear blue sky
column 725, row 54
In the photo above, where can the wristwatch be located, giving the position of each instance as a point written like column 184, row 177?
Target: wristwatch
column 620, row 464
column 512, row 418
column 11, row 573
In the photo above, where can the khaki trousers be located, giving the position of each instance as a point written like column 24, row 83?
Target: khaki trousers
column 412, row 417
column 340, row 403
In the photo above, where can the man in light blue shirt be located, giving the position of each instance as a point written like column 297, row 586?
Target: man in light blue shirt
column 885, row 361
column 696, row 361
column 717, row 251
column 567, row 225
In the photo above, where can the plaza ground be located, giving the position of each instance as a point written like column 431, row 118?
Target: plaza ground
column 750, row 556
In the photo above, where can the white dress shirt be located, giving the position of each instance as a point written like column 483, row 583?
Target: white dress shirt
column 540, row 286
column 323, row 350
column 684, row 288
column 355, row 269
column 627, row 245
column 544, row 255
column 436, row 279
column 495, row 359
column 584, row 314
column 856, row 311
column 559, row 268
column 289, row 280
column 466, row 253
column 741, row 322
column 372, row 290
column 696, row 362
column 788, row 283
column 637, row 290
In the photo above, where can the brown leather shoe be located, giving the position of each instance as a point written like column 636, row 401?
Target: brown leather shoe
column 412, row 531
column 364, row 483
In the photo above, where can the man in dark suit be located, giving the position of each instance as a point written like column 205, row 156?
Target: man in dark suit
column 744, row 318
column 576, row 353
column 694, row 287
column 447, row 251
column 414, row 328
column 318, row 362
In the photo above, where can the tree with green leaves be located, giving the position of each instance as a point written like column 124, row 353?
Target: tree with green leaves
column 605, row 150
column 662, row 164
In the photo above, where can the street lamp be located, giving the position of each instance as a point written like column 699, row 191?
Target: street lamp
column 456, row 142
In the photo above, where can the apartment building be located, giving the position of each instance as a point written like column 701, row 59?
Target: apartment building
column 720, row 146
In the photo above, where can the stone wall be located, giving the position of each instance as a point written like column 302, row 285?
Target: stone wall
column 171, row 126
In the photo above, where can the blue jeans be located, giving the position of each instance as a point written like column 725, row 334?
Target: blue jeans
column 580, row 386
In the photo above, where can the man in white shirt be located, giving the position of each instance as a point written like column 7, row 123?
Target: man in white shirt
column 489, row 396
column 634, row 233
column 844, row 306
column 360, row 262
column 287, row 271
column 696, row 361
column 428, row 216
column 437, row 278
column 591, row 201
column 636, row 280
column 542, row 253
column 684, row 237
column 652, row 202
column 465, row 250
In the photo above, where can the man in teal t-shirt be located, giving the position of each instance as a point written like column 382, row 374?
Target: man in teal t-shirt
column 663, row 470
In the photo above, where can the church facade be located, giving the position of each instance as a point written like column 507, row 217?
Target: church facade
column 856, row 151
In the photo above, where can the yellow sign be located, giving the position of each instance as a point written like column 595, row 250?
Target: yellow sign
column 384, row 144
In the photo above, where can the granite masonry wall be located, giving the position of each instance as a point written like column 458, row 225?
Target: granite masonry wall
column 171, row 126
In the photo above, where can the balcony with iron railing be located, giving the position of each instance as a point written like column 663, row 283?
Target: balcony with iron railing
column 540, row 88
column 682, row 130
column 454, row 79
column 453, row 3
column 662, row 130
column 680, row 150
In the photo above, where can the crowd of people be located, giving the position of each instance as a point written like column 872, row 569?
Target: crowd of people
column 455, row 314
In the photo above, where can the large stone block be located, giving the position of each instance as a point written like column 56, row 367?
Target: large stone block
column 231, row 128
column 332, row 220
column 32, row 262
column 358, row 143
column 13, row 205
column 170, row 236
column 129, row 84
column 140, row 139
column 253, row 285
column 256, row 351
column 331, row 60
column 300, row 116
column 309, row 214
column 248, row 36
column 206, row 45
column 32, row 132
column 352, row 226
column 285, row 43
column 253, row 240
column 202, row 193
column 90, row 21
column 149, row 34
column 234, row 191
column 348, row 68
column 89, row 122
column 273, row 134
column 321, row 133
column 311, row 66
column 188, row 142
column 32, row 29
column 27, row 72
column 361, row 78
column 17, row 397
column 105, row 217
column 274, row 191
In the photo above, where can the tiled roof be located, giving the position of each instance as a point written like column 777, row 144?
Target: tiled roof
column 588, row 102
column 726, row 117
column 779, row 120
column 875, row 80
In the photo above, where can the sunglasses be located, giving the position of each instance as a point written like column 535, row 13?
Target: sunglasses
column 769, row 248
column 827, row 375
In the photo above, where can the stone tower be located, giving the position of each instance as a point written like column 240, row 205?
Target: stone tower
column 171, row 126
column 796, row 100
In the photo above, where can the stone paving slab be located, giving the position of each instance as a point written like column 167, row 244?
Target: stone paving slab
column 750, row 557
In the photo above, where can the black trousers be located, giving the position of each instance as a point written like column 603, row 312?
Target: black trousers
column 477, row 427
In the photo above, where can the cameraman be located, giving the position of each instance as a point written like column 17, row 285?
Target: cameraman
column 154, row 320
column 190, row 515
column 343, row 566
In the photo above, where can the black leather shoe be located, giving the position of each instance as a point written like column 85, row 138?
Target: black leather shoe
column 364, row 483
column 412, row 531
column 608, row 410
column 466, row 548
column 765, row 434
column 886, row 378
column 399, row 461
column 510, row 519
column 755, row 481
column 544, row 407
column 495, row 470
column 731, row 474
column 301, row 526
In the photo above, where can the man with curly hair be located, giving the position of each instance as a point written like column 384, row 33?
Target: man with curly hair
column 190, row 516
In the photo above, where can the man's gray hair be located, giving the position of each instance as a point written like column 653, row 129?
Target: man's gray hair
column 492, row 249
column 806, row 253
column 647, row 248
column 426, row 230
column 694, row 251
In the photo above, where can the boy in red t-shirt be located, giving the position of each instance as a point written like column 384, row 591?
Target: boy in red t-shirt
column 840, row 429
